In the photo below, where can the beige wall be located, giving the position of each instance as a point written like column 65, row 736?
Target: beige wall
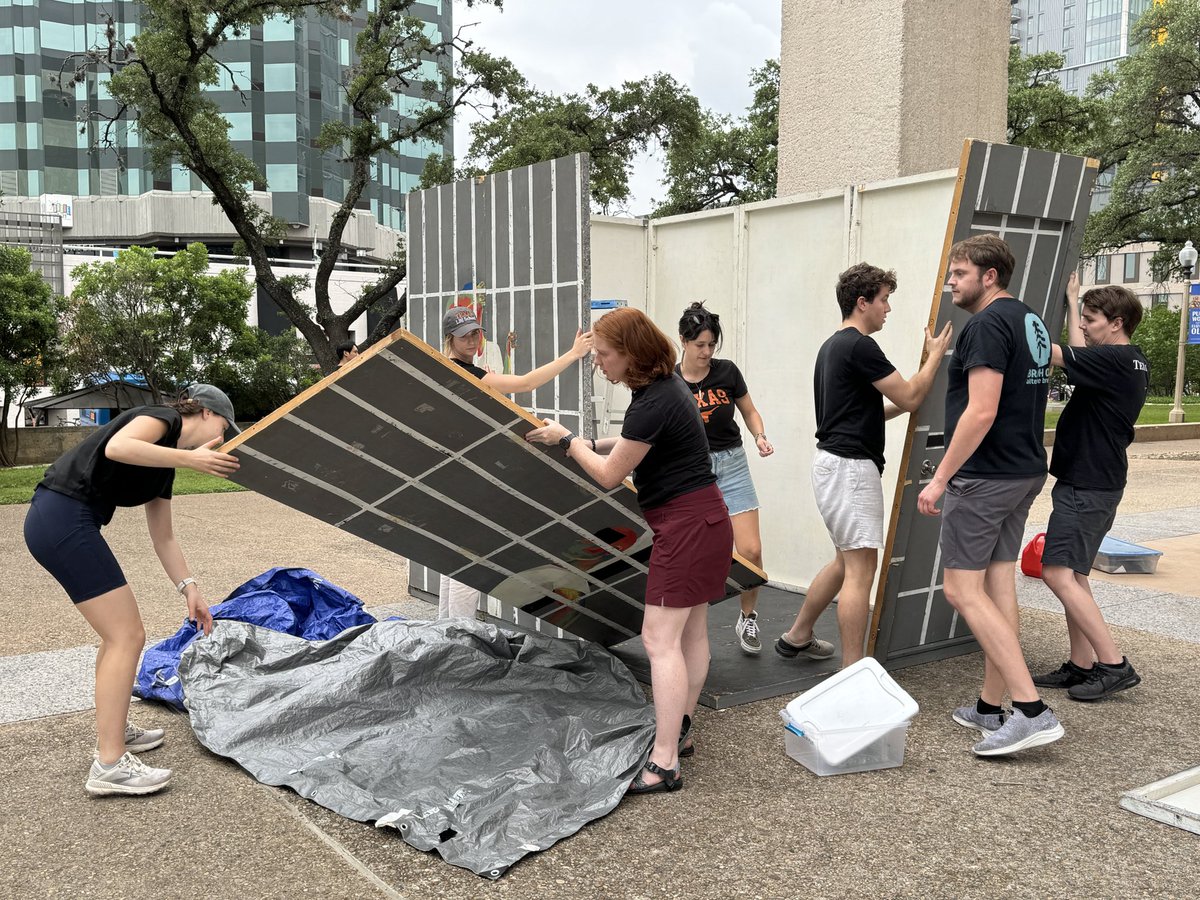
column 887, row 88
column 769, row 270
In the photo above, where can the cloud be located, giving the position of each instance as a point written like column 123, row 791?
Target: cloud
column 562, row 46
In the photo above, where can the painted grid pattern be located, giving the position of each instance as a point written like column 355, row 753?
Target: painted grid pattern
column 519, row 239
column 1038, row 202
column 397, row 447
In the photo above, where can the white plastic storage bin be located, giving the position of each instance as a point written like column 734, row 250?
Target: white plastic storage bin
column 1116, row 557
column 884, row 749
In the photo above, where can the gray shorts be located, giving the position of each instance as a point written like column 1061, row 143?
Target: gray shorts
column 983, row 520
column 849, row 495
column 1079, row 522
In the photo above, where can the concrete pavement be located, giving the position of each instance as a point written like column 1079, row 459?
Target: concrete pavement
column 749, row 823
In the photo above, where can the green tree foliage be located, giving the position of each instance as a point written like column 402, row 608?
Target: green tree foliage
column 1040, row 113
column 729, row 161
column 158, row 77
column 29, row 342
column 1158, row 336
column 613, row 125
column 1151, row 140
column 165, row 319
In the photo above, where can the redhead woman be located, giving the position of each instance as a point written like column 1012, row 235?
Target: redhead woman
column 664, row 446
column 131, row 461
column 462, row 333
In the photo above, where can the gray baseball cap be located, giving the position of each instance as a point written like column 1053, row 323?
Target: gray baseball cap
column 216, row 400
column 459, row 321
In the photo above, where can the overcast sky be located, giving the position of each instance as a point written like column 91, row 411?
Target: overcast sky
column 562, row 45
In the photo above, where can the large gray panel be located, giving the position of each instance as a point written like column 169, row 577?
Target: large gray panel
column 1038, row 202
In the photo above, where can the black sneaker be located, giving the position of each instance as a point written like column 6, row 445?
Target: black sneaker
column 1104, row 681
column 1065, row 676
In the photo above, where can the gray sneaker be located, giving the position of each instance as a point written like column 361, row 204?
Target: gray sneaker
column 1020, row 733
column 813, row 648
column 128, row 776
column 971, row 717
column 746, row 630
column 138, row 740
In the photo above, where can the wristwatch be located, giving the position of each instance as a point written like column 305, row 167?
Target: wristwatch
column 565, row 442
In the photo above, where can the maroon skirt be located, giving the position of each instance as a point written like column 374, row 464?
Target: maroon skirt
column 693, row 549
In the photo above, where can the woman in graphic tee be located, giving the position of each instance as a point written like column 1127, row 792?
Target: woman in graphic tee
column 719, row 388
column 131, row 461
column 663, row 444
column 462, row 333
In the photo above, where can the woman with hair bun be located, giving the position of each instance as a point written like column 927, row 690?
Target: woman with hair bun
column 664, row 446
column 131, row 461
column 719, row 388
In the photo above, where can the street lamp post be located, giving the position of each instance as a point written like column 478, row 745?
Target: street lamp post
column 1187, row 259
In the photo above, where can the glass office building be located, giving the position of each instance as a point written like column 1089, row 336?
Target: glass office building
column 279, row 84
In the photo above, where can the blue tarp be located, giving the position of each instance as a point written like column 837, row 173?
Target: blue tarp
column 298, row 602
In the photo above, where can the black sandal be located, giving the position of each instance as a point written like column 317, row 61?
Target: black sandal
column 685, row 734
column 671, row 780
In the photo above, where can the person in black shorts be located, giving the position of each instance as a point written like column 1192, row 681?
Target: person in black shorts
column 462, row 333
column 719, row 389
column 663, row 444
column 1111, row 378
column 851, row 378
column 131, row 461
column 993, row 469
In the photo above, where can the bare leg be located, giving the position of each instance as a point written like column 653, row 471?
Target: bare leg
column 115, row 617
column 695, row 654
column 1090, row 635
column 964, row 590
column 854, row 604
column 662, row 635
column 820, row 594
column 748, row 543
column 1000, row 585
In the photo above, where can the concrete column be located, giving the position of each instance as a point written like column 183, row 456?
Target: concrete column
column 886, row 88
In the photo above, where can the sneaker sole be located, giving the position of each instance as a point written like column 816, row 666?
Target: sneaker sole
column 967, row 723
column 103, row 788
column 146, row 745
column 749, row 650
column 1036, row 739
column 1122, row 685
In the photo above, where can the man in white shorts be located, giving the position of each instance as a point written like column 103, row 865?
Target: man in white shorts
column 851, row 379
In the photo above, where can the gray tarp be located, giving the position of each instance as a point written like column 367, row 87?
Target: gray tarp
column 478, row 742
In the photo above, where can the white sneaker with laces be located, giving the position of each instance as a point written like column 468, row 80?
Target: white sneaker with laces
column 129, row 775
column 746, row 630
column 138, row 740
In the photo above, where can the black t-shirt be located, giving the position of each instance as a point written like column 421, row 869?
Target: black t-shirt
column 1111, row 382
column 715, row 394
column 471, row 368
column 849, row 406
column 1012, row 339
column 664, row 415
column 86, row 474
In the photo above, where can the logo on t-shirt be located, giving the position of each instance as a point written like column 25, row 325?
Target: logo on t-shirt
column 710, row 401
column 1039, row 348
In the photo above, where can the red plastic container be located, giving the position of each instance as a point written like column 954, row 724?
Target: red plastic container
column 1031, row 556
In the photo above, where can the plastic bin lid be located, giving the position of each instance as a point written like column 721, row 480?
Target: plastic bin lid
column 856, row 703
column 1112, row 546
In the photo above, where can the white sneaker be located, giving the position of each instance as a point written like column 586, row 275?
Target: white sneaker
column 138, row 740
column 746, row 630
column 128, row 776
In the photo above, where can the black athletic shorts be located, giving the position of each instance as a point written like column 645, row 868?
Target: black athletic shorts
column 63, row 534
column 1078, row 523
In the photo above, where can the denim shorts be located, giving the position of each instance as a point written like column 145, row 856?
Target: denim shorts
column 849, row 494
column 63, row 534
column 733, row 478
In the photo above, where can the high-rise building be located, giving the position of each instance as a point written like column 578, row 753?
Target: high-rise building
column 276, row 87
column 1090, row 34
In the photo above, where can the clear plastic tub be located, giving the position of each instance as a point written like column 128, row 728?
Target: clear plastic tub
column 1118, row 557
column 884, row 750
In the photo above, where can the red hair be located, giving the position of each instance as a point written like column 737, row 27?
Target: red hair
column 650, row 353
